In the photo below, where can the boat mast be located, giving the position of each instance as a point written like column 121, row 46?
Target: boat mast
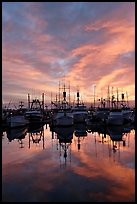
column 51, row 101
column 94, row 94
column 28, row 101
column 101, row 98
column 108, row 101
column 117, row 98
column 20, row 105
column 43, row 101
column 64, row 94
column 77, row 97
column 122, row 95
column 59, row 93
column 127, row 99
column 112, row 97
column 69, row 93
column 64, row 98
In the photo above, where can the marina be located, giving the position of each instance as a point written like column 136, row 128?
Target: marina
column 91, row 149
column 68, row 102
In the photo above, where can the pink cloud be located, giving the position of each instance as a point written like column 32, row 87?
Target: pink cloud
column 42, row 56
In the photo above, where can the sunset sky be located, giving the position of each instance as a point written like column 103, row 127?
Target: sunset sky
column 85, row 43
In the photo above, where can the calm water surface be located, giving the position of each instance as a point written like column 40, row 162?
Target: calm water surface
column 91, row 165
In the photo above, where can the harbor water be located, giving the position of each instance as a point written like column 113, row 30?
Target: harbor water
column 68, row 164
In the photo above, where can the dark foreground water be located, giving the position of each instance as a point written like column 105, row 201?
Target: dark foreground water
column 75, row 164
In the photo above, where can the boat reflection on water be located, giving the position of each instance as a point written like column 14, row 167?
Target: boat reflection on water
column 80, row 131
column 128, row 127
column 64, row 136
column 96, row 128
column 119, row 140
column 119, row 134
column 36, row 134
column 96, row 156
column 114, row 138
column 115, row 133
column 18, row 134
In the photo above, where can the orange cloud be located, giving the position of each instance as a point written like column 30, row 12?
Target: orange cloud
column 106, row 58
column 97, row 61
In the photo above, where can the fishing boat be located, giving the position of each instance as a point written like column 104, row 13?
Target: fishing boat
column 101, row 114
column 15, row 121
column 115, row 117
column 63, row 118
column 127, row 114
column 34, row 115
column 35, row 109
column 63, row 115
column 79, row 111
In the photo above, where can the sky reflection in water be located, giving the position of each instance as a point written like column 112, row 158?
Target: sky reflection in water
column 90, row 168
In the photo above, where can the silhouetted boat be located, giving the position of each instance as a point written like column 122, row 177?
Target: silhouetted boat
column 34, row 115
column 127, row 114
column 63, row 118
column 79, row 111
column 15, row 121
column 115, row 117
column 101, row 114
column 63, row 115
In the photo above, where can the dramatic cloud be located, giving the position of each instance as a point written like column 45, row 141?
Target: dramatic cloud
column 87, row 43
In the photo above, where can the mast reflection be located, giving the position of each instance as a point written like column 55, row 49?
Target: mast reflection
column 80, row 131
column 107, row 141
column 36, row 135
column 115, row 137
column 64, row 138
